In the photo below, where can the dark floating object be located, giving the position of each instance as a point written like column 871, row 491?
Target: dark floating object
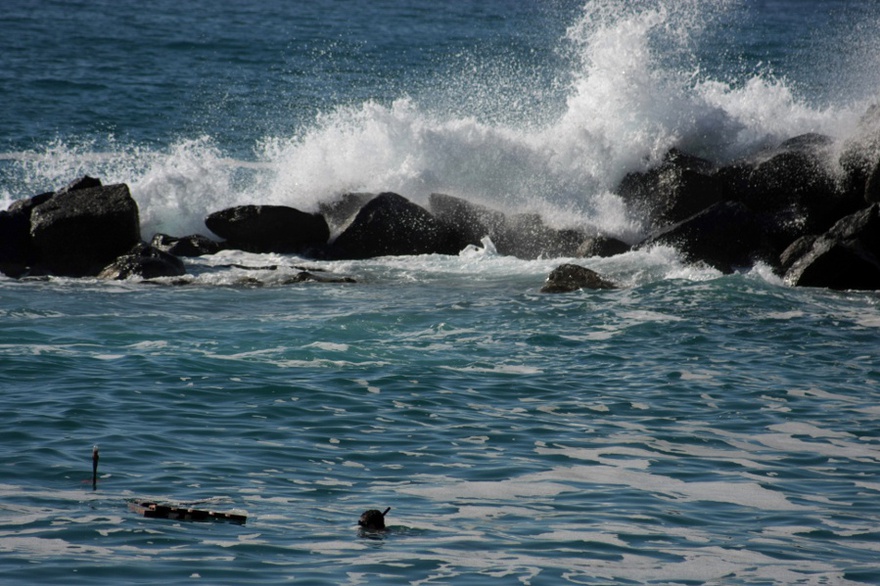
column 95, row 458
column 373, row 520
column 152, row 510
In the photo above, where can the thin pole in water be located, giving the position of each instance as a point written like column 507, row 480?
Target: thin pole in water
column 95, row 458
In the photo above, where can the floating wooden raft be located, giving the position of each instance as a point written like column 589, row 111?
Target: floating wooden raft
column 157, row 511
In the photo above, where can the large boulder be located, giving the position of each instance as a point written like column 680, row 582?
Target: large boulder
column 522, row 235
column 391, row 225
column 526, row 236
column 340, row 212
column 794, row 183
column 570, row 277
column 678, row 188
column 269, row 228
column 846, row 257
column 467, row 222
column 603, row 246
column 143, row 262
column 860, row 157
column 727, row 235
column 78, row 232
column 17, row 252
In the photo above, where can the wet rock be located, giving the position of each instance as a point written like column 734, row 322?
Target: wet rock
column 390, row 224
column 603, row 246
column 84, row 182
column 526, row 236
column 872, row 184
column 143, row 262
column 523, row 235
column 467, row 222
column 341, row 212
column 795, row 251
column 570, row 277
column 679, row 187
column 17, row 253
column 311, row 277
column 860, row 156
column 845, row 257
column 193, row 245
column 78, row 232
column 795, row 184
column 727, row 235
column 269, row 228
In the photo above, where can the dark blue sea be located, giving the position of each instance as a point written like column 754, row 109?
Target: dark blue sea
column 687, row 428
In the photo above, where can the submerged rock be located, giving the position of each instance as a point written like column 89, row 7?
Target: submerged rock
column 570, row 277
column 193, row 245
column 144, row 262
column 311, row 277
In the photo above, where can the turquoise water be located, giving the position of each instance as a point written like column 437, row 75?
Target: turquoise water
column 687, row 428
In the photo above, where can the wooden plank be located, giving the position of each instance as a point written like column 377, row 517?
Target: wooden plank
column 153, row 510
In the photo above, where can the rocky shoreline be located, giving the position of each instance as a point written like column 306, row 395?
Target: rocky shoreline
column 809, row 208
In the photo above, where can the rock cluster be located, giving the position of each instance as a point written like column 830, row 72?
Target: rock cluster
column 809, row 207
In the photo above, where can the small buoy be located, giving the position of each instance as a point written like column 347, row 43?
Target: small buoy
column 373, row 520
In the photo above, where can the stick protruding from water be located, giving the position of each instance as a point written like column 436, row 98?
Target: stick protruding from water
column 95, row 458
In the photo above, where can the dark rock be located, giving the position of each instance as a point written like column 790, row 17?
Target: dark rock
column 340, row 213
column 193, row 245
column 84, row 182
column 390, row 224
column 15, row 250
column 860, row 155
column 258, row 228
column 310, row 277
column 467, row 222
column 521, row 235
column 570, row 277
column 795, row 251
column 726, row 236
column 17, row 253
column 603, row 246
column 79, row 232
column 679, row 187
column 144, row 262
column 794, row 184
column 526, row 236
column 872, row 184
column 846, row 257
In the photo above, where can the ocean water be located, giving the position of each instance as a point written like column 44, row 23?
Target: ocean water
column 686, row 428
